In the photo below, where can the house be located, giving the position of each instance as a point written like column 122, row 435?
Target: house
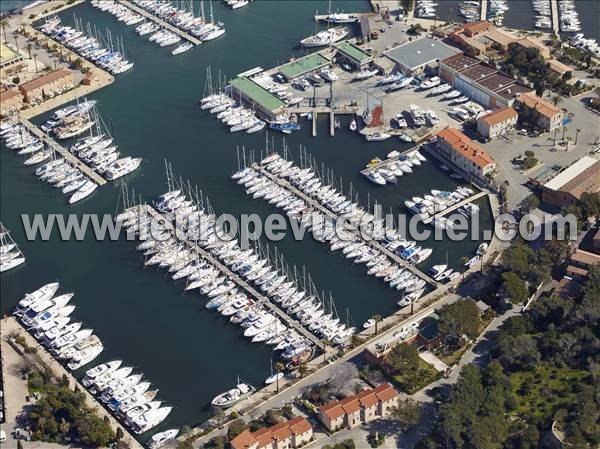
column 11, row 101
column 546, row 116
column 478, row 37
column 567, row 186
column 461, row 151
column 497, row 122
column 532, row 42
column 284, row 435
column 558, row 67
column 47, row 86
column 366, row 406
column 579, row 264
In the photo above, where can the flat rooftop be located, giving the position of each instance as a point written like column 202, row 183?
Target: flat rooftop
column 353, row 52
column 570, row 173
column 461, row 61
column 257, row 94
column 420, row 52
column 496, row 81
column 478, row 71
column 305, row 64
column 513, row 90
column 6, row 54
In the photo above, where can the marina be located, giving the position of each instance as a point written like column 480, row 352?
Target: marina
column 157, row 298
column 10, row 254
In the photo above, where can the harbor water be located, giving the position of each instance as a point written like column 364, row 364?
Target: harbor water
column 142, row 316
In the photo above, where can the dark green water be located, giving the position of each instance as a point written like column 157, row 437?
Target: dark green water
column 189, row 353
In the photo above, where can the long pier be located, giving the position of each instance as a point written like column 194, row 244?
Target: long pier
column 454, row 207
column 372, row 243
column 238, row 280
column 554, row 10
column 483, row 9
column 188, row 37
column 67, row 155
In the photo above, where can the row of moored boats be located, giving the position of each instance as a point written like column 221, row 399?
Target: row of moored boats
column 382, row 172
column 106, row 56
column 323, row 228
column 10, row 254
column 438, row 201
column 184, row 261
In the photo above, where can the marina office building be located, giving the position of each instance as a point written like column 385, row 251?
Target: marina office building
column 457, row 148
column 303, row 66
column 415, row 57
column 38, row 89
column 498, row 122
column 353, row 55
column 544, row 114
column 257, row 97
column 481, row 82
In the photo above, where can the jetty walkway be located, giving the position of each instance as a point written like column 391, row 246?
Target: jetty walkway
column 188, row 37
column 554, row 10
column 66, row 154
column 235, row 278
column 483, row 9
column 372, row 243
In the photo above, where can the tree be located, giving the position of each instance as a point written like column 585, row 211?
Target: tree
column 377, row 319
column 408, row 413
column 120, row 433
column 590, row 205
column 518, row 258
column 515, row 287
column 235, row 428
column 530, row 203
column 29, row 47
column 3, row 25
column 342, row 375
column 403, row 358
column 35, row 55
column 539, row 88
column 64, row 427
column 518, row 352
column 557, row 100
column 460, row 318
column 576, row 135
column 279, row 367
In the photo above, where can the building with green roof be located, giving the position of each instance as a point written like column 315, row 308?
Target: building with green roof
column 256, row 96
column 303, row 66
column 353, row 54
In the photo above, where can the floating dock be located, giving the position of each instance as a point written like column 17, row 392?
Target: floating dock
column 372, row 243
column 188, row 37
column 238, row 280
column 67, row 155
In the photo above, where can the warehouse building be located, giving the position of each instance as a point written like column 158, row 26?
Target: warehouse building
column 416, row 56
column 256, row 97
column 303, row 66
column 353, row 55
column 481, row 82
column 567, row 187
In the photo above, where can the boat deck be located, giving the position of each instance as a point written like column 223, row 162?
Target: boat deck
column 188, row 37
column 238, row 280
column 67, row 155
column 372, row 243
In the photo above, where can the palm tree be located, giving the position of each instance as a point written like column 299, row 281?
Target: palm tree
column 279, row 367
column 41, row 424
column 556, row 100
column 29, row 47
column 64, row 428
column 377, row 319
column 35, row 61
column 576, row 135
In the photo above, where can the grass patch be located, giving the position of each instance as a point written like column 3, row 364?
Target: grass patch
column 453, row 357
column 541, row 392
column 425, row 375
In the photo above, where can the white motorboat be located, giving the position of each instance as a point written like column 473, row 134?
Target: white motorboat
column 365, row 74
column 162, row 438
column 325, row 37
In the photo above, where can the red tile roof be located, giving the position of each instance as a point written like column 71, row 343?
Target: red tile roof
column 541, row 106
column 332, row 410
column 44, row 79
column 244, row 440
column 466, row 147
column 350, row 405
column 367, row 398
column 476, row 27
column 385, row 392
column 299, row 425
column 499, row 116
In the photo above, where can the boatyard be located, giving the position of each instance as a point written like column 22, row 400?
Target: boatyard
column 379, row 117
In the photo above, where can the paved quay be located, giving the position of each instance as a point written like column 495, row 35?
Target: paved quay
column 66, row 154
column 554, row 11
column 188, row 37
column 483, row 10
column 374, row 244
column 14, row 396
